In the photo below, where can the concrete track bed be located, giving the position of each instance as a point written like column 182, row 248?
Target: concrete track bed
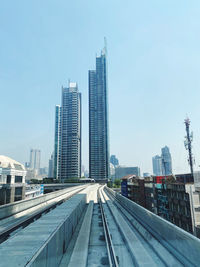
column 44, row 242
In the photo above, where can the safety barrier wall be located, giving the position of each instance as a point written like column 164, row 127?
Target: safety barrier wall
column 44, row 242
column 13, row 208
column 52, row 251
column 185, row 246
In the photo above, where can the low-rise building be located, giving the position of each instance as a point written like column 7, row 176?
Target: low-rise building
column 122, row 171
column 179, row 206
column 176, row 200
column 149, row 191
column 133, row 188
column 12, row 180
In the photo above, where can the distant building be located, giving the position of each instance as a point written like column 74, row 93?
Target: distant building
column 35, row 155
column 112, row 172
column 114, row 160
column 31, row 174
column 70, row 143
column 166, row 161
column 141, row 191
column 82, row 170
column 12, row 180
column 44, row 171
column 27, row 165
column 132, row 187
column 157, row 165
column 121, row 171
column 57, row 142
column 50, row 171
column 146, row 174
column 86, row 173
column 99, row 158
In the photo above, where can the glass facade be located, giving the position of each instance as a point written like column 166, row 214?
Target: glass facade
column 166, row 161
column 157, row 165
column 70, row 146
column 56, row 142
column 98, row 120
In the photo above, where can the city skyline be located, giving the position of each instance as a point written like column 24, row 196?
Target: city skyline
column 153, row 75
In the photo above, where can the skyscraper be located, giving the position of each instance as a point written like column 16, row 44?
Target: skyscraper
column 70, row 133
column 157, row 165
column 35, row 159
column 50, row 169
column 98, row 120
column 56, row 142
column 166, row 161
column 114, row 160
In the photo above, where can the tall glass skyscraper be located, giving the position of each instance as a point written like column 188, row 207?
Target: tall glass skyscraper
column 157, row 165
column 56, row 142
column 98, row 120
column 70, row 133
column 166, row 161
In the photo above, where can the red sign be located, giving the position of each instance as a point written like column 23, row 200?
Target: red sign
column 160, row 179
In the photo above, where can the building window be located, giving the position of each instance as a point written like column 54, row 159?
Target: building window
column 18, row 193
column 18, row 179
column 8, row 179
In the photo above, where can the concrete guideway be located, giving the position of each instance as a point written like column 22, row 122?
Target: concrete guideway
column 100, row 249
column 150, row 242
column 17, row 208
column 10, row 224
column 139, row 251
column 98, row 227
column 80, row 252
column 90, row 247
column 132, row 242
column 172, row 245
column 43, row 242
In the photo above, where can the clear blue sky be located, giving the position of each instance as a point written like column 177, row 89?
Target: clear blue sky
column 153, row 74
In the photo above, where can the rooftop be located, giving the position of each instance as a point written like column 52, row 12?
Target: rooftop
column 6, row 162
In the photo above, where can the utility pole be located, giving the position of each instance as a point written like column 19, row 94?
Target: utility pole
column 188, row 145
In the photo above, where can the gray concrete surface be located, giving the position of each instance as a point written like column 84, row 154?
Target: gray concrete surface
column 80, row 252
column 43, row 242
column 178, row 242
column 19, row 206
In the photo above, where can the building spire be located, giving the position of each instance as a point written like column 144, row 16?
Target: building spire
column 104, row 51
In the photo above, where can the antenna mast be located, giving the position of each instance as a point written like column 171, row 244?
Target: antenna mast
column 188, row 145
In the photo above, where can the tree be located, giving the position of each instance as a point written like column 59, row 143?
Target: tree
column 117, row 182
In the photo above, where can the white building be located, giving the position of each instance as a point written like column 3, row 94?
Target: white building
column 12, row 180
column 194, row 195
column 11, row 171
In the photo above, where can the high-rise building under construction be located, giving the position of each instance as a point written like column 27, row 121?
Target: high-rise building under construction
column 98, row 120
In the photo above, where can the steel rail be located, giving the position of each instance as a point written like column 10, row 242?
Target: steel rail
column 110, row 248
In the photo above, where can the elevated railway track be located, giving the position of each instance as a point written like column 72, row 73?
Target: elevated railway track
column 98, row 227
column 19, row 217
